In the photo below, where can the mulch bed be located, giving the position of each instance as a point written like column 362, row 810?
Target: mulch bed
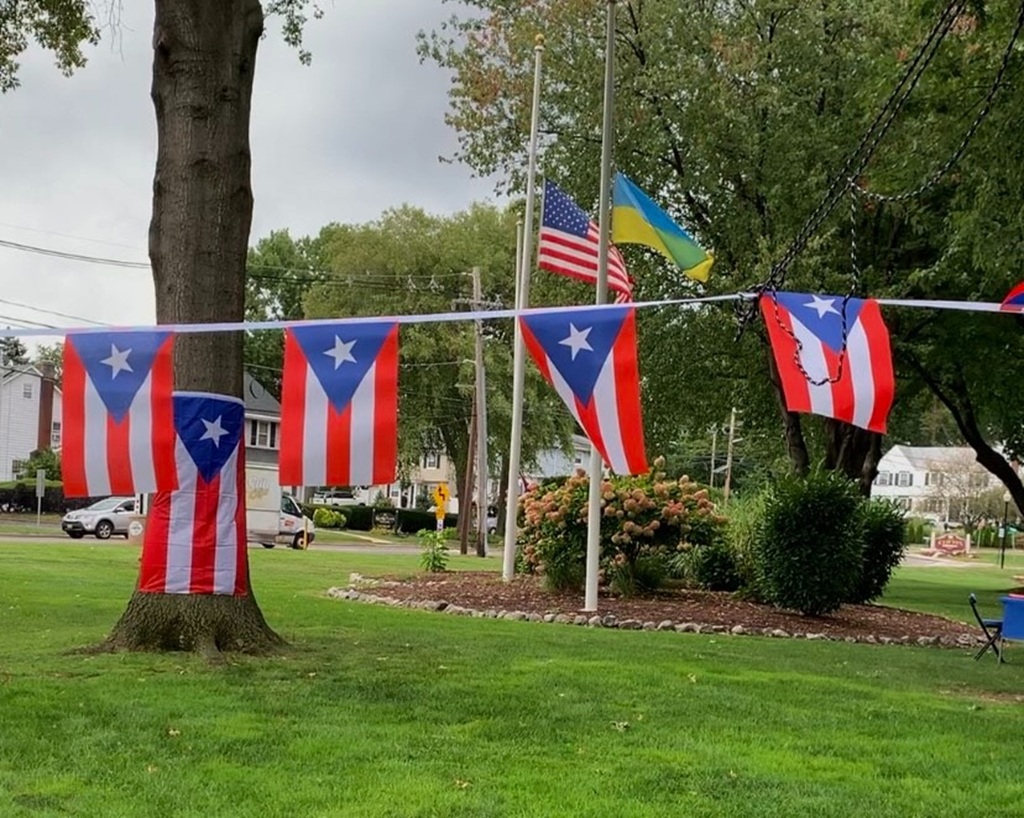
column 484, row 591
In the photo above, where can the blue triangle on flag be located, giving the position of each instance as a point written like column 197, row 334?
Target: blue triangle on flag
column 117, row 363
column 210, row 426
column 340, row 355
column 822, row 315
column 578, row 343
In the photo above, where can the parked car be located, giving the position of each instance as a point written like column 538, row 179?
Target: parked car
column 104, row 518
column 337, row 497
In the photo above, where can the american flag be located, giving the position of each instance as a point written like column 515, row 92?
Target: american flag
column 569, row 244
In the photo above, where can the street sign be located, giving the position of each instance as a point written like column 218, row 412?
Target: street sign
column 40, row 494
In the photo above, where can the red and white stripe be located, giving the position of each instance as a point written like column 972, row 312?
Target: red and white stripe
column 611, row 420
column 569, row 255
column 100, row 456
column 195, row 540
column 321, row 446
column 862, row 392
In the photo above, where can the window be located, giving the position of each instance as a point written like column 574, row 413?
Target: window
column 933, row 478
column 263, row 434
column 904, row 479
column 26, row 389
column 18, row 468
column 396, row 490
column 978, row 481
column 432, row 460
column 55, row 433
column 884, row 479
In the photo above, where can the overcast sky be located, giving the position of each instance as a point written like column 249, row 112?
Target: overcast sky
column 357, row 132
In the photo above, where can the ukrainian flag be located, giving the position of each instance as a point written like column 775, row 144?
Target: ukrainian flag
column 636, row 219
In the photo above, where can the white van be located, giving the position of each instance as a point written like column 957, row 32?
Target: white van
column 272, row 516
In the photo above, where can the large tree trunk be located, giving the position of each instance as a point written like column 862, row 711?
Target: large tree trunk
column 853, row 451
column 204, row 58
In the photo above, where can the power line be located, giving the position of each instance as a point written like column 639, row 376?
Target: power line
column 52, row 312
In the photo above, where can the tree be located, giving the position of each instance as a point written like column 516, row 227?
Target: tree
column 60, row 26
column 13, row 351
column 52, row 354
column 279, row 270
column 411, row 262
column 204, row 59
column 42, row 459
column 738, row 122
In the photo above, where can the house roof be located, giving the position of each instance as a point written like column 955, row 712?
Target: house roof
column 927, row 457
column 258, row 400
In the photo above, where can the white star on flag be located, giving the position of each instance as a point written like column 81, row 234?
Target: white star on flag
column 214, row 431
column 577, row 340
column 822, row 305
column 118, row 361
column 341, row 352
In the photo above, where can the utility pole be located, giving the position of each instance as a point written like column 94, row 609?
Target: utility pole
column 728, row 454
column 481, row 423
column 714, row 444
column 466, row 487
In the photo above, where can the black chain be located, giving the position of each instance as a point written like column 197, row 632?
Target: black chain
column 859, row 158
column 955, row 157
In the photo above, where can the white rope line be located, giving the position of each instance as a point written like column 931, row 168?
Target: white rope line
column 476, row 315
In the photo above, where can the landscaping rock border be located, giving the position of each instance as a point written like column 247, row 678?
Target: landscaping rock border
column 353, row 593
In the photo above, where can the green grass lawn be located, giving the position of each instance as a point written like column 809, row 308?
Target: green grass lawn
column 389, row 712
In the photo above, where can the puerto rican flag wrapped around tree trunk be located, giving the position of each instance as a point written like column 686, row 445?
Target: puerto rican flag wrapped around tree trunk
column 195, row 539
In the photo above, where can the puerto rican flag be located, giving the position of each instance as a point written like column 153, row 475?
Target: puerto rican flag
column 849, row 378
column 1014, row 301
column 195, row 537
column 589, row 357
column 339, row 405
column 117, row 415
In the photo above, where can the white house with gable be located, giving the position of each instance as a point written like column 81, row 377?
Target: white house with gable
column 30, row 406
column 927, row 480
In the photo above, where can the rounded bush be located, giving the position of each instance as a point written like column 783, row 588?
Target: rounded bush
column 328, row 518
column 809, row 550
column 714, row 568
column 882, row 527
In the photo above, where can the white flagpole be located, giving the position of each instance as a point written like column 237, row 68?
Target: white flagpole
column 604, row 226
column 522, row 301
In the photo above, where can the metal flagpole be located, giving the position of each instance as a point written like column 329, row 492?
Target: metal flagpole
column 604, row 225
column 522, row 301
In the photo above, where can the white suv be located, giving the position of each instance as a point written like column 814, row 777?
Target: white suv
column 103, row 518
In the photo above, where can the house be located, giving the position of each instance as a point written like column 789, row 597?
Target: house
column 932, row 481
column 30, row 408
column 262, row 423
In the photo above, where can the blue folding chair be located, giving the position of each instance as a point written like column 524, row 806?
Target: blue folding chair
column 993, row 630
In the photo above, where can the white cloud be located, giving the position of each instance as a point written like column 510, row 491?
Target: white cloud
column 357, row 132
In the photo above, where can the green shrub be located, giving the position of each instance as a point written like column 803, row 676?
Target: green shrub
column 328, row 518
column 915, row 531
column 434, row 545
column 645, row 519
column 809, row 551
column 714, row 568
column 882, row 531
column 746, row 522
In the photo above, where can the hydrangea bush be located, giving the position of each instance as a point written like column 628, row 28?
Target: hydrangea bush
column 645, row 520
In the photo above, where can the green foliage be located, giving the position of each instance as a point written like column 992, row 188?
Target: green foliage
column 645, row 519
column 714, row 567
column 882, row 531
column 42, row 459
column 915, row 531
column 355, row 518
column 434, row 550
column 381, row 500
column 60, row 26
column 328, row 518
column 809, row 554
column 12, row 350
column 52, row 354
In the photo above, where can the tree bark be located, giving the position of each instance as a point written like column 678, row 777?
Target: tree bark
column 796, row 446
column 853, row 451
column 204, row 58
